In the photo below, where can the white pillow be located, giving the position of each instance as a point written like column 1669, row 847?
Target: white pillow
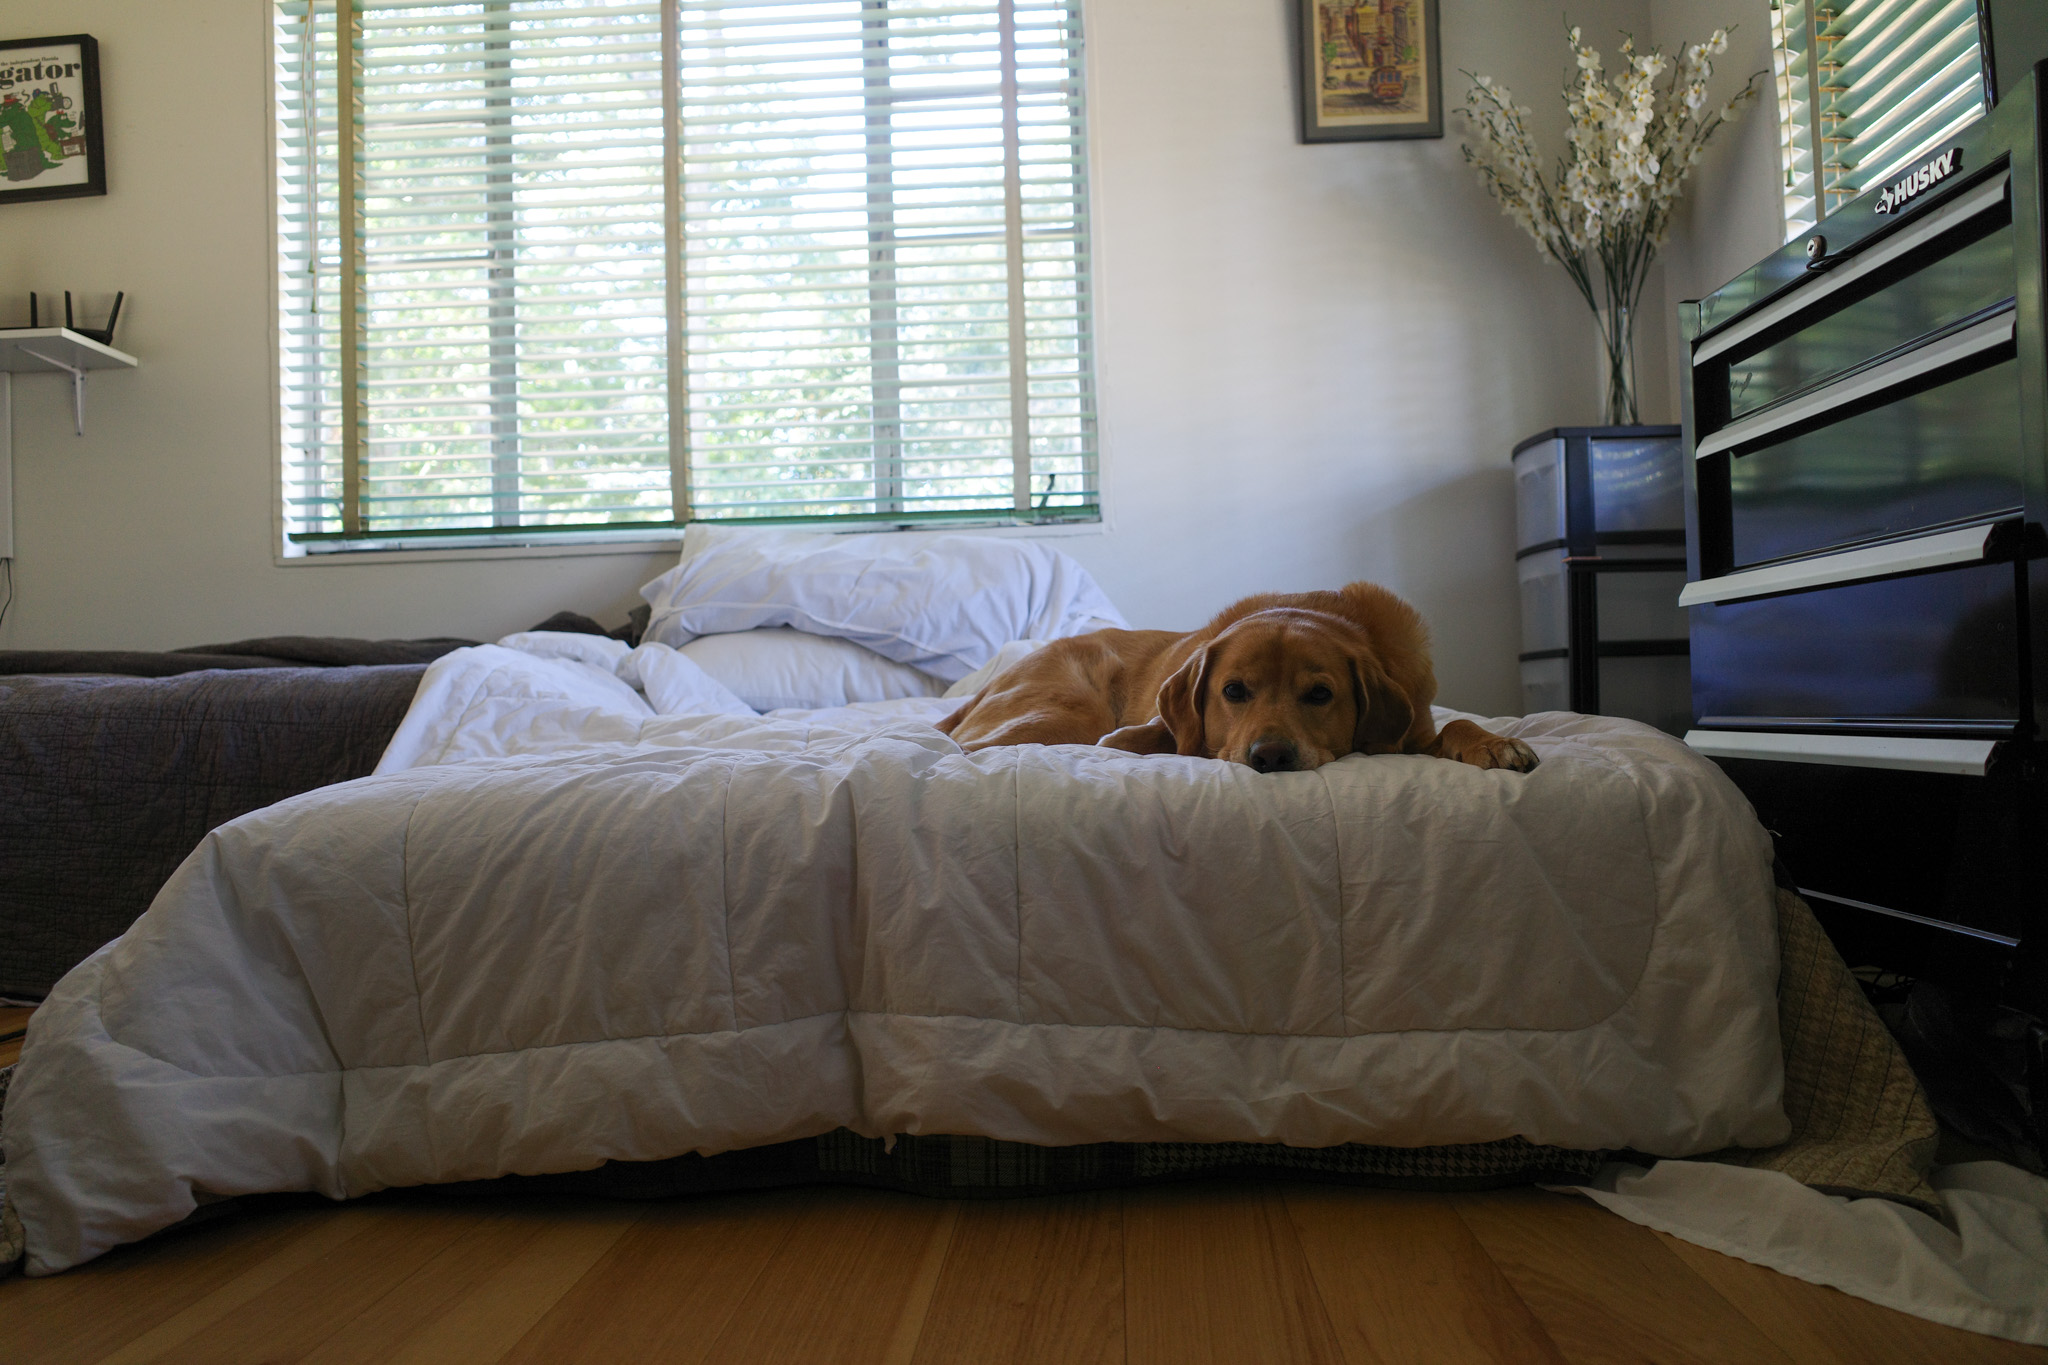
column 782, row 667
column 943, row 605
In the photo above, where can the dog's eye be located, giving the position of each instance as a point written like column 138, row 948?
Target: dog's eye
column 1236, row 691
column 1318, row 695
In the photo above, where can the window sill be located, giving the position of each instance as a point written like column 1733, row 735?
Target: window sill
column 440, row 550
column 558, row 546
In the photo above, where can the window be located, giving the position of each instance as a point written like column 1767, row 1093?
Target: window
column 1865, row 87
column 577, row 265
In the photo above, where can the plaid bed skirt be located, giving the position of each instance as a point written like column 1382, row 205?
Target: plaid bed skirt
column 985, row 1168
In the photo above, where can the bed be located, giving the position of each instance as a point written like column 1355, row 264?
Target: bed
column 597, row 909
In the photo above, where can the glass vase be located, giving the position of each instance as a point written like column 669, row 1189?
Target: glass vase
column 1618, row 345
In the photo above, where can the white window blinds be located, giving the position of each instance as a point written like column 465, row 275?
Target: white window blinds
column 884, row 223
column 574, row 264
column 1865, row 87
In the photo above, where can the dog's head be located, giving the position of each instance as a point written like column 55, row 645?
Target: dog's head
column 1284, row 690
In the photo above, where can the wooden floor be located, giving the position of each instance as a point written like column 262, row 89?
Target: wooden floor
column 1186, row 1275
column 11, row 1021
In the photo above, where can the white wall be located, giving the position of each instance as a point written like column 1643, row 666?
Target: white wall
column 1314, row 360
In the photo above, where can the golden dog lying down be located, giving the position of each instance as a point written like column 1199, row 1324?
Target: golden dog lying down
column 1281, row 682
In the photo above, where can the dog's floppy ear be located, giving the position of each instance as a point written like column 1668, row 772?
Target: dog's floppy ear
column 1153, row 737
column 1384, row 712
column 1181, row 699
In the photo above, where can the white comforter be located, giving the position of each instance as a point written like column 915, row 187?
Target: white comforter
column 565, row 928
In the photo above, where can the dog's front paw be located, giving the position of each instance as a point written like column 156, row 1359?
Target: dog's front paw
column 1500, row 751
column 1465, row 742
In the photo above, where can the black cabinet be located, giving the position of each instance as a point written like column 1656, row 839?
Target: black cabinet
column 1866, row 431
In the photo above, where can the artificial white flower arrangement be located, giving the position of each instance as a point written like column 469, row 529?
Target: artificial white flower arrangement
column 1630, row 147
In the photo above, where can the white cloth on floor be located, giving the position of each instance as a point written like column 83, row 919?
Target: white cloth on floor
column 1988, row 1274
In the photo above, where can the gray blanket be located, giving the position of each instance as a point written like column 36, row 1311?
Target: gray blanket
column 275, row 651
column 106, row 783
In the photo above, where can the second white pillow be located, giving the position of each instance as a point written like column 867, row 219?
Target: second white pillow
column 778, row 667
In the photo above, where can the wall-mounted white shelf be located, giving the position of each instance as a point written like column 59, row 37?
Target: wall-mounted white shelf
column 59, row 350
column 56, row 350
column 43, row 350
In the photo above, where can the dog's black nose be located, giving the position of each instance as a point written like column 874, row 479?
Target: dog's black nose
column 1274, row 756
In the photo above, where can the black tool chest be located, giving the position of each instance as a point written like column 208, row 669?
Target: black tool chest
column 1866, row 420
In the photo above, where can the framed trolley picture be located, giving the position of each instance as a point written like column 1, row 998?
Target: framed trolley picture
column 1369, row 69
column 50, row 135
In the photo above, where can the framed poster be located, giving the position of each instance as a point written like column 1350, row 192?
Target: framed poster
column 50, row 137
column 1369, row 69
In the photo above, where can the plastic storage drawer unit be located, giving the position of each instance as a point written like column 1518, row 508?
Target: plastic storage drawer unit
column 1600, row 523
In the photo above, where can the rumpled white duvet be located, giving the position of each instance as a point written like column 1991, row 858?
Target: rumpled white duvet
column 560, row 927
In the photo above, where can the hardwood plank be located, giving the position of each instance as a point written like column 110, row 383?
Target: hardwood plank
column 327, row 1232
column 472, row 1303
column 1606, row 1290
column 12, row 1017
column 917, row 1304
column 1812, row 1322
column 87, row 1313
column 1030, row 1280
column 1214, row 1275
column 1406, row 1283
column 285, row 1307
column 840, row 1287
column 668, row 1287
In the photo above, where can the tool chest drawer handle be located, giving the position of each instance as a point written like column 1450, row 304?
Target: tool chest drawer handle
column 1970, row 545
column 1988, row 335
column 1966, row 757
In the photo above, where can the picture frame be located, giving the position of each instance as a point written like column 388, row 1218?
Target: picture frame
column 1369, row 70
column 52, row 141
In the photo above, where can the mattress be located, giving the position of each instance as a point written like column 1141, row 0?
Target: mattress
column 556, row 930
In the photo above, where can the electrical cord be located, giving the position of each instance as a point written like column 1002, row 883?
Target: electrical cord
column 10, row 591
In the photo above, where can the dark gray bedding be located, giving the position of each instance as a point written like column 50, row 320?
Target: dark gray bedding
column 106, row 783
column 277, row 651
